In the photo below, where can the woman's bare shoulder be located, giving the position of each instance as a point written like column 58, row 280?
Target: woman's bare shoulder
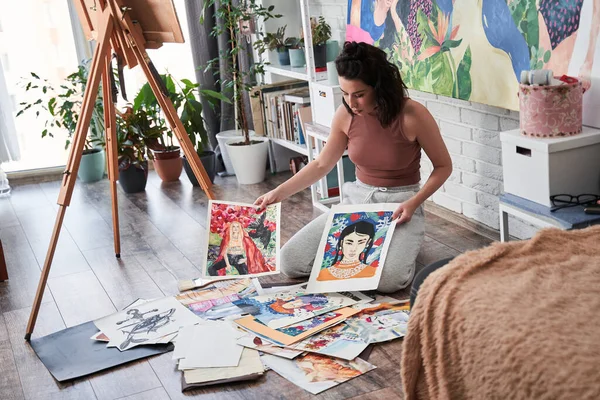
column 414, row 116
column 342, row 119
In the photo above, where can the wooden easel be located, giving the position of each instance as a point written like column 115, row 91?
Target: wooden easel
column 127, row 28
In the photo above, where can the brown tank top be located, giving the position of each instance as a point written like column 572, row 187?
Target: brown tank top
column 383, row 156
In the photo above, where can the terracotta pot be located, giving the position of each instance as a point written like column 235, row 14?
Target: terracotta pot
column 168, row 164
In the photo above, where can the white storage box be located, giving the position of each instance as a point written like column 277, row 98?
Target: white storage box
column 537, row 168
column 325, row 100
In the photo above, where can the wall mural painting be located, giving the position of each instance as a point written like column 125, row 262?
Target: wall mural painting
column 476, row 49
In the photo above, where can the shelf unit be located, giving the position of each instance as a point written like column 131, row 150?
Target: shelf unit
column 315, row 135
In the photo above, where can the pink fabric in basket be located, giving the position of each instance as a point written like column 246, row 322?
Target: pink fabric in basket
column 548, row 111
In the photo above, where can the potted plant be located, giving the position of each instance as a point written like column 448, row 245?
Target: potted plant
column 136, row 131
column 276, row 41
column 248, row 157
column 321, row 33
column 62, row 106
column 296, row 51
column 183, row 96
column 165, row 154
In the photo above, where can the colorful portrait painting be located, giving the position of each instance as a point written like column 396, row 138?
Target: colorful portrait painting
column 380, row 323
column 475, row 50
column 241, row 241
column 353, row 248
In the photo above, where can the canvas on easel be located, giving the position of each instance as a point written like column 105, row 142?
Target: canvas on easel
column 125, row 29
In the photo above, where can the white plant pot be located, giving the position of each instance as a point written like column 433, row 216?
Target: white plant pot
column 249, row 162
column 223, row 138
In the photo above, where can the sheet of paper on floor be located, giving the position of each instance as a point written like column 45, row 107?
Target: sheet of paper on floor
column 146, row 323
column 282, row 309
column 380, row 323
column 338, row 341
column 250, row 366
column 316, row 373
column 296, row 332
column 212, row 345
column 214, row 301
column 265, row 291
column 257, row 343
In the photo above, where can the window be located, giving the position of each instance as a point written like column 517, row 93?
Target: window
column 37, row 36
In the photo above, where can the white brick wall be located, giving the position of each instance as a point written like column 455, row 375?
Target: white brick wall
column 471, row 133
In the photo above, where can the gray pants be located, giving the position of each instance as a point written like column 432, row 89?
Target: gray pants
column 298, row 254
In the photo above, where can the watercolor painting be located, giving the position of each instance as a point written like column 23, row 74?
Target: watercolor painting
column 295, row 333
column 380, row 323
column 339, row 341
column 315, row 373
column 242, row 242
column 352, row 251
column 215, row 301
column 475, row 50
column 287, row 308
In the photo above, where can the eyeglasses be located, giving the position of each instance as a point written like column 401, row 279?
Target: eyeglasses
column 560, row 201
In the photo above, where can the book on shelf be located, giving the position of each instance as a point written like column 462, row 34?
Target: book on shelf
column 301, row 96
column 275, row 109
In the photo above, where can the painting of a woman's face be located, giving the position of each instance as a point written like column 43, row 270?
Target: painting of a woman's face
column 353, row 245
column 291, row 305
column 236, row 231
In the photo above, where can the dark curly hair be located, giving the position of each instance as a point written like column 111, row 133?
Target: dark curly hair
column 370, row 65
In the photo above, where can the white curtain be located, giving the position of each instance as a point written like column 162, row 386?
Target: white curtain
column 9, row 143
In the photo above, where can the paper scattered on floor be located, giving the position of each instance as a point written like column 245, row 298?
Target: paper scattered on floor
column 145, row 323
column 212, row 344
column 315, row 373
column 282, row 309
column 338, row 341
column 381, row 322
column 255, row 342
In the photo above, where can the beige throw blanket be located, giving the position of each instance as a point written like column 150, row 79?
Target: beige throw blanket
column 517, row 320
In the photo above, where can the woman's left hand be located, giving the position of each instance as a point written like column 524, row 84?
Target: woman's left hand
column 405, row 211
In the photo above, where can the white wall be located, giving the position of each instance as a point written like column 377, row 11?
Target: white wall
column 471, row 132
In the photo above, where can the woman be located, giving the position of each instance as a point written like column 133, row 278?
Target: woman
column 384, row 131
column 353, row 247
column 238, row 254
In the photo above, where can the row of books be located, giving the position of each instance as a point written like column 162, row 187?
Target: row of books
column 276, row 109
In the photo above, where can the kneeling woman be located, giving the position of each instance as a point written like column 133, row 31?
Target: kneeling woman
column 384, row 131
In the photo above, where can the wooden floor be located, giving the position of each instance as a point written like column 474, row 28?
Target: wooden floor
column 162, row 241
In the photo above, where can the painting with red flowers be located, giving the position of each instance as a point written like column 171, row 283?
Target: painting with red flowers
column 241, row 241
column 353, row 247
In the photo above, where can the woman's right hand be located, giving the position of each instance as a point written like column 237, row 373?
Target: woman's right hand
column 268, row 198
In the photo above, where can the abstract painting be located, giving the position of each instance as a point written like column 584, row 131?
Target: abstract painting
column 476, row 49
column 242, row 242
column 353, row 247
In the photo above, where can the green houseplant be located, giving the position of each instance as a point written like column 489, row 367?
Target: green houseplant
column 249, row 157
column 278, row 42
column 61, row 108
column 136, row 133
column 183, row 94
column 321, row 33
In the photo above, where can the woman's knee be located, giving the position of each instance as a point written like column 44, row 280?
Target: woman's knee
column 294, row 263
